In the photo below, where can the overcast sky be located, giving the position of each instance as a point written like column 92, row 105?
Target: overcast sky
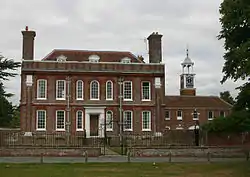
column 121, row 25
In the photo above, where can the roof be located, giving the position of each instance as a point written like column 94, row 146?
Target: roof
column 196, row 101
column 83, row 55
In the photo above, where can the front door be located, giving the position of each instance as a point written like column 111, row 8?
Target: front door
column 94, row 124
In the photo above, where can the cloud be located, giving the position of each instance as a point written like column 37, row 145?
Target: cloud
column 121, row 25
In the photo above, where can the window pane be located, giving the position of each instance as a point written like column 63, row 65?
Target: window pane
column 179, row 113
column 60, row 89
column 222, row 114
column 127, row 120
column 146, row 122
column 79, row 120
column 145, row 90
column 109, row 90
column 60, row 120
column 79, row 91
column 127, row 90
column 94, row 90
column 41, row 89
column 109, row 120
column 41, row 119
column 167, row 114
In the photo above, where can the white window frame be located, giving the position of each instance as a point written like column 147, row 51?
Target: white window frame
column 38, row 89
column 60, row 129
column 124, row 120
column 131, row 90
column 210, row 118
column 109, row 123
column 45, row 116
column 79, row 97
column 98, row 89
column 112, row 90
column 64, row 85
column 149, row 91
column 179, row 117
column 126, row 60
column 149, row 120
column 169, row 117
column 224, row 113
column 77, row 117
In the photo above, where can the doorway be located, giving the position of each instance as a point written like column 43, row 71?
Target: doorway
column 94, row 124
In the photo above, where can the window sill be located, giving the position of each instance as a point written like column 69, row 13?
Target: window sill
column 109, row 130
column 94, row 99
column 63, row 130
column 79, row 99
column 179, row 118
column 146, row 130
column 146, row 100
column 127, row 100
column 40, row 129
column 210, row 118
column 195, row 119
column 127, row 130
column 167, row 118
column 41, row 98
column 109, row 99
column 79, row 130
column 60, row 99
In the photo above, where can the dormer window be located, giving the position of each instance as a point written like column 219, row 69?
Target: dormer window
column 126, row 60
column 94, row 58
column 61, row 58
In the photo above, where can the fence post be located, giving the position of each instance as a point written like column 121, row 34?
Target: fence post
column 41, row 158
column 208, row 156
column 247, row 155
column 129, row 155
column 170, row 156
column 86, row 156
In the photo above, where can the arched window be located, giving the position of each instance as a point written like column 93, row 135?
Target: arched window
column 79, row 121
column 79, row 90
column 109, row 90
column 109, row 121
column 94, row 90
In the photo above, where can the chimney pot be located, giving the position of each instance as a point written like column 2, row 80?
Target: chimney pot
column 27, row 28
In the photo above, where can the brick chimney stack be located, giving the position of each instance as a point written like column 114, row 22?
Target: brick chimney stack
column 155, row 48
column 28, row 44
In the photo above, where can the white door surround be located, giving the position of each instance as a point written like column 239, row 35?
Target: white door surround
column 95, row 110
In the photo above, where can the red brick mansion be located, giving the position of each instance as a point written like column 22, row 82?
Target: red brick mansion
column 108, row 91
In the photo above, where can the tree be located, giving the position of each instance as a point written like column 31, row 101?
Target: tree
column 226, row 96
column 6, row 107
column 235, row 21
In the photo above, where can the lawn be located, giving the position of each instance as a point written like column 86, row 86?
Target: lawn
column 231, row 169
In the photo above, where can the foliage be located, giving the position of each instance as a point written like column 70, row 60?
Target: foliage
column 8, row 113
column 7, row 64
column 243, row 98
column 238, row 121
column 226, row 96
column 235, row 21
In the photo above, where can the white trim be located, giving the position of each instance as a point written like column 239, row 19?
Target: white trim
column 131, row 129
column 90, row 96
column 150, row 121
column 45, row 116
column 112, row 90
column 167, row 118
column 210, row 118
column 37, row 89
column 179, row 117
column 149, row 91
column 192, row 127
column 131, row 99
column 60, row 129
column 64, row 85
column 82, row 96
column 79, row 129
column 109, row 129
column 94, row 110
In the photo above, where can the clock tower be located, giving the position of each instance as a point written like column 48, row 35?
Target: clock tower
column 187, row 78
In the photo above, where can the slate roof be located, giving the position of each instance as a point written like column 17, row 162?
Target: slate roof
column 196, row 101
column 82, row 55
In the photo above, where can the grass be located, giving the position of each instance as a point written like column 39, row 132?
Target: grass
column 231, row 169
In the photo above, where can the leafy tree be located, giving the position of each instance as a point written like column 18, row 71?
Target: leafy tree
column 6, row 107
column 226, row 96
column 235, row 21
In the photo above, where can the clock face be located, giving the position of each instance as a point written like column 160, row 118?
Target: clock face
column 189, row 82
